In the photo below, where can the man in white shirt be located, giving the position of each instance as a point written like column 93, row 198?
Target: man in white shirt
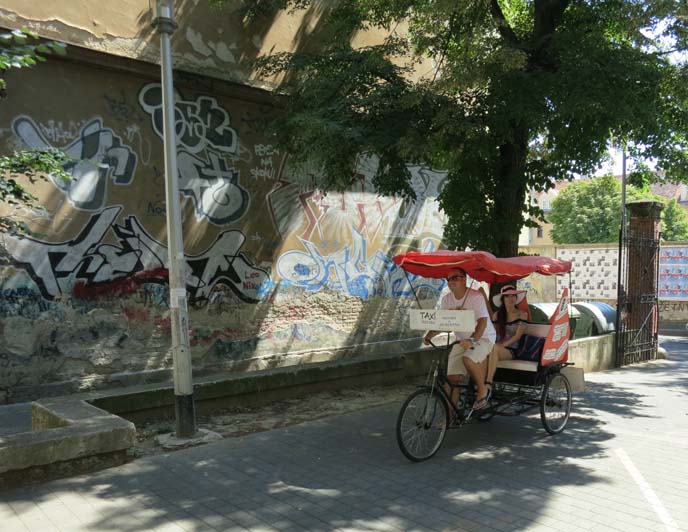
column 473, row 349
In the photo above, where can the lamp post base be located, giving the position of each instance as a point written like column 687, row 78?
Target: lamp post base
column 185, row 415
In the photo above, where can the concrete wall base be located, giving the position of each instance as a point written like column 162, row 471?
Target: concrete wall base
column 41, row 473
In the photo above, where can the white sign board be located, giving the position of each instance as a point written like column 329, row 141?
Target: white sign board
column 442, row 320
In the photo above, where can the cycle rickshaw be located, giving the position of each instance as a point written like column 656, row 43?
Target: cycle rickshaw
column 519, row 386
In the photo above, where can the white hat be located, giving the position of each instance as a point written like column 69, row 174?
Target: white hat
column 508, row 290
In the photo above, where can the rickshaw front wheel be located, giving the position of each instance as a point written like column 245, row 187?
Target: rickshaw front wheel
column 555, row 405
column 422, row 424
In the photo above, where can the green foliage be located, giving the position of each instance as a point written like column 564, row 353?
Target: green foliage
column 674, row 223
column 506, row 96
column 32, row 165
column 19, row 49
column 589, row 211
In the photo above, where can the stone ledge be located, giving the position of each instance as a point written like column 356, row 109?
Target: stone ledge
column 65, row 430
column 156, row 396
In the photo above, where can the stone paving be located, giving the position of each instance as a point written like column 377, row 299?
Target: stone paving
column 621, row 466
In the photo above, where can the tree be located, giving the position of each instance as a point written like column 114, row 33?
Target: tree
column 675, row 222
column 589, row 211
column 520, row 94
column 21, row 49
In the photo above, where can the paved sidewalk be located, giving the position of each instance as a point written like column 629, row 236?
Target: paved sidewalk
column 621, row 466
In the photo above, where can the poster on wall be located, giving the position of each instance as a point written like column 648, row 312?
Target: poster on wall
column 673, row 272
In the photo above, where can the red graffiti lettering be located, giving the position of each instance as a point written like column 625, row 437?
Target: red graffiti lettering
column 119, row 287
column 135, row 314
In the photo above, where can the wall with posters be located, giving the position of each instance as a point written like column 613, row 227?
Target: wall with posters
column 595, row 274
column 277, row 270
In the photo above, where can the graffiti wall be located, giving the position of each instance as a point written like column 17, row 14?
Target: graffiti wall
column 277, row 271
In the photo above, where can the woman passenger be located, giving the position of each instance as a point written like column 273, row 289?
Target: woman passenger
column 510, row 323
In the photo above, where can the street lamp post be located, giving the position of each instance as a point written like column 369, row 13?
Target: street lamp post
column 623, row 190
column 185, row 414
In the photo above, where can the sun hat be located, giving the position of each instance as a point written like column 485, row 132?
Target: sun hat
column 508, row 290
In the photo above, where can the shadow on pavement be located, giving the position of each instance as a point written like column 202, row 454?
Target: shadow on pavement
column 346, row 472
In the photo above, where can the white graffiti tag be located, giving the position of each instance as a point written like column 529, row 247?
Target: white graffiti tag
column 99, row 155
column 205, row 141
column 86, row 258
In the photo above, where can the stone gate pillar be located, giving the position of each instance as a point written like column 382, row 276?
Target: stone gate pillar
column 640, row 268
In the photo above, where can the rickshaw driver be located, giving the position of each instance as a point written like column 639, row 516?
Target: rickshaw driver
column 471, row 352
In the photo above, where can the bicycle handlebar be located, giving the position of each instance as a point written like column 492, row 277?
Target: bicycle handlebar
column 451, row 344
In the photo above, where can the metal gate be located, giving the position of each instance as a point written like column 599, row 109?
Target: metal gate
column 637, row 301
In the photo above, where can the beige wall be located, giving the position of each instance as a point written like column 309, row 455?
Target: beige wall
column 213, row 42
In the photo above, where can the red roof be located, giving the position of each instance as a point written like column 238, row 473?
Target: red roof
column 480, row 265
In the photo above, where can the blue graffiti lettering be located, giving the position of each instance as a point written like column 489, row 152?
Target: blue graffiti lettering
column 349, row 270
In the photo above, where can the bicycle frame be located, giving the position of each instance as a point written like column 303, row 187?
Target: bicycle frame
column 440, row 381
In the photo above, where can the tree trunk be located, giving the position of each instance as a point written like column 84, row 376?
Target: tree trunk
column 510, row 195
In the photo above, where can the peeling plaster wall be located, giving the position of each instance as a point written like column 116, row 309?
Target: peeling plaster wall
column 210, row 41
column 277, row 271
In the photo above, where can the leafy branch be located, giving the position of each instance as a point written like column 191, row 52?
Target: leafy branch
column 18, row 49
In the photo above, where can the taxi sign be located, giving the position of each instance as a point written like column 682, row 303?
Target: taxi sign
column 442, row 320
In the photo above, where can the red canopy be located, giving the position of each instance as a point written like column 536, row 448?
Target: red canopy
column 480, row 265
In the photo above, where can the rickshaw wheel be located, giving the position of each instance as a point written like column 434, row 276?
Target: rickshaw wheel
column 422, row 424
column 555, row 405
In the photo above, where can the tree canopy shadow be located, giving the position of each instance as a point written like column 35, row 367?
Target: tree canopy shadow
column 346, row 472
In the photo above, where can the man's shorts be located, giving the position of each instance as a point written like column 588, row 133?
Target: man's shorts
column 479, row 353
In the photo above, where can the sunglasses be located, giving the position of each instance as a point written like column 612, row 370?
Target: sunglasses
column 456, row 277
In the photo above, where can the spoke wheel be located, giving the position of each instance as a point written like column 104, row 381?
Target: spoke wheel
column 422, row 424
column 555, row 406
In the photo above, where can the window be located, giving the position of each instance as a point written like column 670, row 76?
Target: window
column 539, row 231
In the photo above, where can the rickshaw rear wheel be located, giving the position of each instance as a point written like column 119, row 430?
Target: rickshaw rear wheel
column 422, row 424
column 555, row 405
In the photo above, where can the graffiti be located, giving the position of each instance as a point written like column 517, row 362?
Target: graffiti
column 199, row 125
column 266, row 169
column 134, row 135
column 205, row 141
column 334, row 214
column 120, row 108
column 98, row 155
column 119, row 287
column 213, row 188
column 257, row 123
column 350, row 270
column 23, row 301
column 265, row 150
column 667, row 307
column 99, row 269
column 59, row 132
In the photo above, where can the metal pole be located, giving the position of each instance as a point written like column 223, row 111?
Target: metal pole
column 181, row 353
column 623, row 190
column 621, row 290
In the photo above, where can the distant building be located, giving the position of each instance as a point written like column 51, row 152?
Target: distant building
column 678, row 191
column 541, row 235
